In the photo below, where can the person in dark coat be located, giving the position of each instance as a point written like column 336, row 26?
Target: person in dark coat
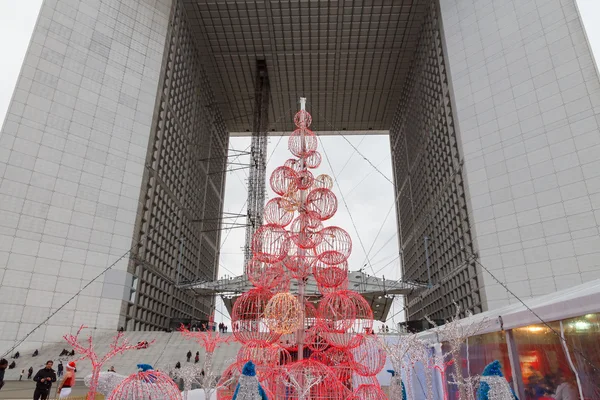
column 189, row 355
column 12, row 365
column 178, row 365
column 29, row 372
column 44, row 379
column 3, row 365
column 60, row 369
column 35, row 353
column 197, row 358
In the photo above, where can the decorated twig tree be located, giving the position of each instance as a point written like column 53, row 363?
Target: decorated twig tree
column 404, row 354
column 190, row 374
column 209, row 340
column 116, row 347
column 455, row 333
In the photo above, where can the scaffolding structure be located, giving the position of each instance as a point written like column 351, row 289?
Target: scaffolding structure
column 258, row 157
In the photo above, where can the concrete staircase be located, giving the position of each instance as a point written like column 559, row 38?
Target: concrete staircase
column 167, row 349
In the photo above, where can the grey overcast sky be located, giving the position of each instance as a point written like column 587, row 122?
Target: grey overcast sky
column 365, row 196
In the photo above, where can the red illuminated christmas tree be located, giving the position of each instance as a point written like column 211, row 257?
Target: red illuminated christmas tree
column 303, row 351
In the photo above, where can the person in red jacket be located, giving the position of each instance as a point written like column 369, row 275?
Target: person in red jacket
column 64, row 389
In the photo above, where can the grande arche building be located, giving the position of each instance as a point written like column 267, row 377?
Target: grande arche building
column 117, row 136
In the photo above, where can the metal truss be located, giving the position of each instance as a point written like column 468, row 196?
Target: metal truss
column 258, row 161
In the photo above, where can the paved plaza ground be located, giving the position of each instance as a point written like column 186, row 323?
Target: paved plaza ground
column 15, row 390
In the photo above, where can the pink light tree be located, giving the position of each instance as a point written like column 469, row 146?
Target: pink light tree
column 208, row 339
column 97, row 361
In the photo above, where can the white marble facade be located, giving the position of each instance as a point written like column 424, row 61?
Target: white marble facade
column 72, row 151
column 527, row 104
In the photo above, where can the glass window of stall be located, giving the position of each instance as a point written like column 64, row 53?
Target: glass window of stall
column 484, row 349
column 582, row 335
column 544, row 364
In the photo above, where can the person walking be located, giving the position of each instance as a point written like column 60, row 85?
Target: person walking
column 44, row 379
column 189, row 355
column 21, row 374
column 29, row 372
column 197, row 358
column 3, row 365
column 59, row 369
column 64, row 388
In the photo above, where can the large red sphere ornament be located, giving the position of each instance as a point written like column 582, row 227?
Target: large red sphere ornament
column 147, row 385
column 313, row 159
column 264, row 275
column 284, row 284
column 363, row 322
column 270, row 244
column 278, row 212
column 283, row 180
column 309, row 379
column 305, row 230
column 337, row 312
column 228, row 382
column 368, row 358
column 340, row 361
column 329, row 276
column 322, row 202
column 315, row 340
column 299, row 265
column 261, row 353
column 349, row 335
column 305, row 179
column 368, row 392
column 326, row 290
column 247, row 317
column 302, row 119
column 335, row 246
column 284, row 313
column 294, row 164
column 302, row 142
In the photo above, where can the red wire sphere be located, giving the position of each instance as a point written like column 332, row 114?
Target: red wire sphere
column 228, row 382
column 285, row 283
column 300, row 266
column 302, row 119
column 147, row 385
column 329, row 276
column 247, row 317
column 349, row 335
column 278, row 211
column 305, row 179
column 302, row 142
column 337, row 312
column 264, row 275
column 322, row 202
column 261, row 353
column 270, row 243
column 309, row 379
column 368, row 392
column 315, row 340
column 313, row 159
column 294, row 164
column 305, row 230
column 340, row 361
column 283, row 180
column 335, row 246
column 326, row 290
column 368, row 358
